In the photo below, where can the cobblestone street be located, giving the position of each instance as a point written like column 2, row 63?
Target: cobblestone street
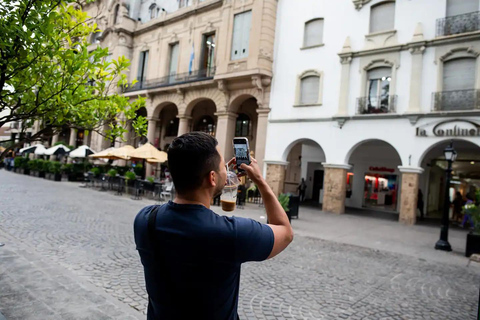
column 80, row 242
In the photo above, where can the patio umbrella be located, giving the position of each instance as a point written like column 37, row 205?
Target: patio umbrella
column 59, row 149
column 30, row 149
column 81, row 152
column 40, row 150
column 123, row 152
column 105, row 154
column 149, row 153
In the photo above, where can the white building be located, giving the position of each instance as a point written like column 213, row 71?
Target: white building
column 366, row 96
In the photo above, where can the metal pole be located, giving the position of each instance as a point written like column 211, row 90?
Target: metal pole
column 443, row 244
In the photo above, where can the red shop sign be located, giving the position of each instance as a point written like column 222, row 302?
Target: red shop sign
column 381, row 169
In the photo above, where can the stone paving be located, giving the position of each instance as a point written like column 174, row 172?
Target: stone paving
column 87, row 236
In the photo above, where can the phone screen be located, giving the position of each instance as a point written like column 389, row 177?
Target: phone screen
column 242, row 155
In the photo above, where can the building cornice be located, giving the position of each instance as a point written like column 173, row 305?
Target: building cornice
column 408, row 116
column 360, row 3
column 178, row 15
column 458, row 38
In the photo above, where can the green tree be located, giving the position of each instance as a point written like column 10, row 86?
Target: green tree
column 48, row 76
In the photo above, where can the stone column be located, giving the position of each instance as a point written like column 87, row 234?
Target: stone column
column 335, row 187
column 409, row 194
column 261, row 136
column 54, row 140
column 183, row 125
column 276, row 175
column 72, row 141
column 152, row 127
column 225, row 133
column 87, row 138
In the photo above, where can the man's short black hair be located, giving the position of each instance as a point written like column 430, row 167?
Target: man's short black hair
column 190, row 158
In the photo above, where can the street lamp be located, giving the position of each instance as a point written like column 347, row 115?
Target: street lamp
column 450, row 156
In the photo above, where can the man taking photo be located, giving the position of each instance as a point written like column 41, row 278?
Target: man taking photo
column 192, row 256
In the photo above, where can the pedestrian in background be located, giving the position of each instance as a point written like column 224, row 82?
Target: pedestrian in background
column 302, row 188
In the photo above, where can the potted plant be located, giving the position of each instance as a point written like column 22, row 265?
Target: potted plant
column 284, row 200
column 40, row 167
column 32, row 166
column 129, row 179
column 96, row 171
column 67, row 171
column 149, row 184
column 55, row 168
column 473, row 237
column 17, row 164
column 25, row 167
column 112, row 173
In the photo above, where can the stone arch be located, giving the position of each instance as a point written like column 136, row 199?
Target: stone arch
column 444, row 142
column 302, row 140
column 158, row 102
column 239, row 96
column 360, row 143
column 195, row 96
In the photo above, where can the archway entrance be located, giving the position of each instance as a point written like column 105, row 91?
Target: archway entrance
column 465, row 176
column 203, row 117
column 373, row 182
column 168, row 127
column 305, row 158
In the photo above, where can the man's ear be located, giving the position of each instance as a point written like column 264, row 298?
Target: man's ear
column 212, row 179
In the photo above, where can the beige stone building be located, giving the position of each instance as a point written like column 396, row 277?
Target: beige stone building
column 201, row 65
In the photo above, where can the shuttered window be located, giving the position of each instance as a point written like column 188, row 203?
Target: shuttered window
column 456, row 7
column 309, row 87
column 142, row 66
column 382, row 17
column 172, row 69
column 459, row 74
column 313, row 33
column 241, row 35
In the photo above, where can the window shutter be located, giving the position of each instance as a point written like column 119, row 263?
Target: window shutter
column 313, row 33
column 379, row 73
column 456, row 7
column 145, row 65
column 141, row 61
column 173, row 59
column 241, row 35
column 459, row 74
column 382, row 17
column 309, row 90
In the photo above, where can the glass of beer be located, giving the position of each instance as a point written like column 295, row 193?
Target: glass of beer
column 228, row 199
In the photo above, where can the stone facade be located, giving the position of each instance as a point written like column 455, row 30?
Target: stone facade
column 276, row 177
column 335, row 188
column 409, row 195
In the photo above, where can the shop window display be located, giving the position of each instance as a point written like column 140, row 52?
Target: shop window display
column 380, row 191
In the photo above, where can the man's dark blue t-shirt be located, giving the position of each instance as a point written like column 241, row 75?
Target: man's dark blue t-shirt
column 194, row 272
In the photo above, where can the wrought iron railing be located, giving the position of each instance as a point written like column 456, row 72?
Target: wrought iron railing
column 456, row 100
column 171, row 80
column 377, row 104
column 461, row 23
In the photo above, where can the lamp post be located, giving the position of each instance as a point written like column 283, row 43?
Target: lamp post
column 442, row 244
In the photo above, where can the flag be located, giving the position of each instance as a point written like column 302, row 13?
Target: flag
column 192, row 57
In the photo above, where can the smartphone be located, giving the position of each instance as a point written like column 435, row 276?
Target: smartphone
column 241, row 151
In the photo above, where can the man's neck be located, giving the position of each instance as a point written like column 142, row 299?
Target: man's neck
column 201, row 199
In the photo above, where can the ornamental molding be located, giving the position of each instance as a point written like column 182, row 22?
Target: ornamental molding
column 462, row 52
column 360, row 3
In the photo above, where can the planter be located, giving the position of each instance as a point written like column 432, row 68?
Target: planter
column 473, row 244
column 56, row 176
column 26, row 171
column 148, row 186
column 41, row 174
column 33, row 173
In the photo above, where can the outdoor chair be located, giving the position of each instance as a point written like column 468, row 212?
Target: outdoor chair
column 138, row 190
column 157, row 191
column 119, row 186
column 166, row 194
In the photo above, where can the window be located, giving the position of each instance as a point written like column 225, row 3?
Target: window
column 459, row 74
column 172, row 69
column 457, row 7
column 142, row 66
column 115, row 14
column 153, row 10
column 378, row 89
column 382, row 17
column 241, row 35
column 172, row 128
column 309, row 87
column 313, row 33
column 182, row 3
column 208, row 54
column 242, row 127
column 206, row 124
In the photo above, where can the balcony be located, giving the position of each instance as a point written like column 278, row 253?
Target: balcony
column 456, row 100
column 172, row 80
column 376, row 104
column 462, row 23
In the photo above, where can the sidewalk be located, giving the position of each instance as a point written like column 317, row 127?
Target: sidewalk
column 371, row 232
